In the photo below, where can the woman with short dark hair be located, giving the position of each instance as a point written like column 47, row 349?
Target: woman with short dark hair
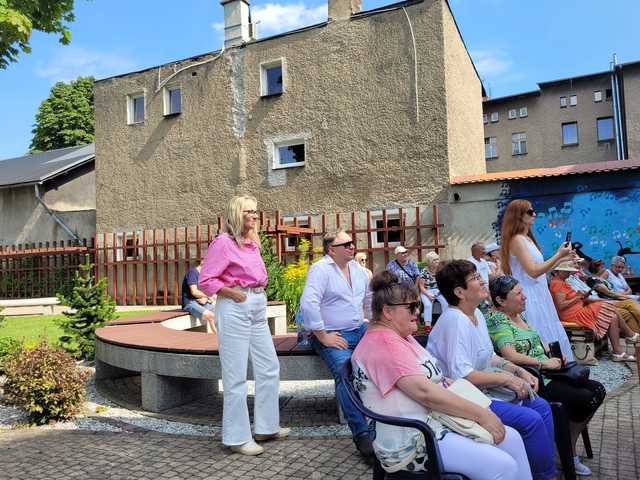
column 461, row 343
column 519, row 343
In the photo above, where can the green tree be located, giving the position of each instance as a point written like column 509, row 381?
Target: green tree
column 18, row 19
column 93, row 307
column 65, row 118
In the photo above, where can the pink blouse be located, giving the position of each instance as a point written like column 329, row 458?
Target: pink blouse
column 227, row 265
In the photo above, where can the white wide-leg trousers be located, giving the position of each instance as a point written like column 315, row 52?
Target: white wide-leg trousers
column 243, row 331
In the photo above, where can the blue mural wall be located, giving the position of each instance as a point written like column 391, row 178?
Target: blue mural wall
column 601, row 210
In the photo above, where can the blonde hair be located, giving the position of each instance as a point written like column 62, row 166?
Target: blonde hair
column 432, row 256
column 360, row 256
column 234, row 219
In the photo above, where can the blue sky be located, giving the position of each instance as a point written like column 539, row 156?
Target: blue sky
column 514, row 44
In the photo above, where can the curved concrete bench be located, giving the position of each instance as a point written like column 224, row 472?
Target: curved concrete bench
column 177, row 365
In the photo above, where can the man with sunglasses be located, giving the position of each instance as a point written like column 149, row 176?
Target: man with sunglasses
column 332, row 306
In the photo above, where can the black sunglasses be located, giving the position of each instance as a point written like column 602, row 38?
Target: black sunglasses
column 503, row 285
column 348, row 244
column 531, row 212
column 414, row 307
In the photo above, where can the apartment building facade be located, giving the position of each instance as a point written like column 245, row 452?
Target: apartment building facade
column 375, row 109
column 585, row 119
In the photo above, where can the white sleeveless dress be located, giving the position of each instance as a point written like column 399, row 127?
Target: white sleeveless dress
column 540, row 310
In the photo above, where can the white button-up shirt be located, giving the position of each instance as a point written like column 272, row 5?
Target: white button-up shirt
column 328, row 301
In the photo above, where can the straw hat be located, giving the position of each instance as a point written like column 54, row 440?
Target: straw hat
column 566, row 266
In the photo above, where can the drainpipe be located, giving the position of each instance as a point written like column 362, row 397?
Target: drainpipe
column 53, row 214
column 617, row 117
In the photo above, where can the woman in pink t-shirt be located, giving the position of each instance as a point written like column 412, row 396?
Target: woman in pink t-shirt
column 233, row 269
column 396, row 376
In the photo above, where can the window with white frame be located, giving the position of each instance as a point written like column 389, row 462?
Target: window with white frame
column 570, row 133
column 513, row 113
column 290, row 153
column 597, row 96
column 490, row 148
column 291, row 243
column 524, row 112
column 563, row 102
column 494, row 117
column 573, row 100
column 485, row 118
column 605, row 129
column 519, row 143
column 394, row 237
column 127, row 249
column 172, row 100
column 135, row 108
column 272, row 78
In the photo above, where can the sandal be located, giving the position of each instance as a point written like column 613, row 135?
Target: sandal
column 622, row 357
column 635, row 338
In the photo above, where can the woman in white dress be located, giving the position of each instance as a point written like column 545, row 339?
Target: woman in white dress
column 521, row 258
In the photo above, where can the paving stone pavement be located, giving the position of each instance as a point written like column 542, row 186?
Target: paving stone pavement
column 33, row 454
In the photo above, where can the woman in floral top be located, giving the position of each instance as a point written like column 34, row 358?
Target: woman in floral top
column 519, row 343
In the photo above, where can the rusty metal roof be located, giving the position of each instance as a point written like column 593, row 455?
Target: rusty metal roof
column 596, row 167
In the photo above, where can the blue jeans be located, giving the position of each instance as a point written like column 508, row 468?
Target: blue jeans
column 197, row 310
column 335, row 359
column 534, row 421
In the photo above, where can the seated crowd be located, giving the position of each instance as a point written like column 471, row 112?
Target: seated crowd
column 495, row 353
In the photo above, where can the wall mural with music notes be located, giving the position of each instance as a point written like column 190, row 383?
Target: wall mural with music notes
column 604, row 219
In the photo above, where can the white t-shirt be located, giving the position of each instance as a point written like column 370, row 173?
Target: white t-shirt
column 483, row 268
column 460, row 346
column 617, row 281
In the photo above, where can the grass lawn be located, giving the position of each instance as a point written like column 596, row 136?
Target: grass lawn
column 32, row 328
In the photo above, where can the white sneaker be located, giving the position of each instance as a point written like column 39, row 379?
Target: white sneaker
column 263, row 437
column 249, row 448
column 581, row 468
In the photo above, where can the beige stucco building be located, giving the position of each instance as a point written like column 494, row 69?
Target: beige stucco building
column 375, row 109
column 566, row 122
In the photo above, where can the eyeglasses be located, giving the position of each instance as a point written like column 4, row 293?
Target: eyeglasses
column 475, row 276
column 531, row 212
column 415, row 308
column 250, row 212
column 505, row 284
column 348, row 244
column 364, row 259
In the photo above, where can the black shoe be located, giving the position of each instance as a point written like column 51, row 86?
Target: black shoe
column 364, row 445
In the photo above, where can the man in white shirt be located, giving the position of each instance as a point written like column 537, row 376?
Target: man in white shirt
column 332, row 306
column 477, row 258
column 616, row 277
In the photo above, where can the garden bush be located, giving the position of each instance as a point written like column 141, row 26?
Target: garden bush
column 8, row 345
column 93, row 308
column 45, row 382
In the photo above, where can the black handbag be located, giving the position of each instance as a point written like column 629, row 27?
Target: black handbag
column 573, row 374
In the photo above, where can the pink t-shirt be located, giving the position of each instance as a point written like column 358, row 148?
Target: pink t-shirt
column 227, row 265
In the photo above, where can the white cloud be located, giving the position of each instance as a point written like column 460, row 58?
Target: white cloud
column 72, row 61
column 491, row 62
column 273, row 18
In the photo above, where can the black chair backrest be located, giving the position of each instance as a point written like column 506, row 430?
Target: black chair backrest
column 434, row 460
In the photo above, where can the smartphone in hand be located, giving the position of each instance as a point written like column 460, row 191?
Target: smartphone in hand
column 567, row 239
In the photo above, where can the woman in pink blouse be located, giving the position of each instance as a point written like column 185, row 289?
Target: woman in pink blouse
column 233, row 269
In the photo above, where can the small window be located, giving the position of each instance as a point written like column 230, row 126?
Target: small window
column 519, row 143
column 513, row 113
column 524, row 112
column 563, row 102
column 485, row 118
column 172, row 100
column 607, row 94
column 597, row 96
column 135, row 108
column 490, row 148
column 573, row 100
column 271, row 79
column 394, row 237
column 605, row 129
column 127, row 249
column 494, row 117
column 289, row 154
column 570, row 133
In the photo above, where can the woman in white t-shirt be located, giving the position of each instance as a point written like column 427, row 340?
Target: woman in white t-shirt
column 396, row 376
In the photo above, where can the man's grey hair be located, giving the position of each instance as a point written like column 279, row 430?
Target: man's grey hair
column 477, row 245
column 617, row 259
column 329, row 238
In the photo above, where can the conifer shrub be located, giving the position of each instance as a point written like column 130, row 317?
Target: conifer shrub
column 45, row 382
column 93, row 307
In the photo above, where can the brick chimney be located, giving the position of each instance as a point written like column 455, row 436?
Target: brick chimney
column 343, row 9
column 236, row 22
